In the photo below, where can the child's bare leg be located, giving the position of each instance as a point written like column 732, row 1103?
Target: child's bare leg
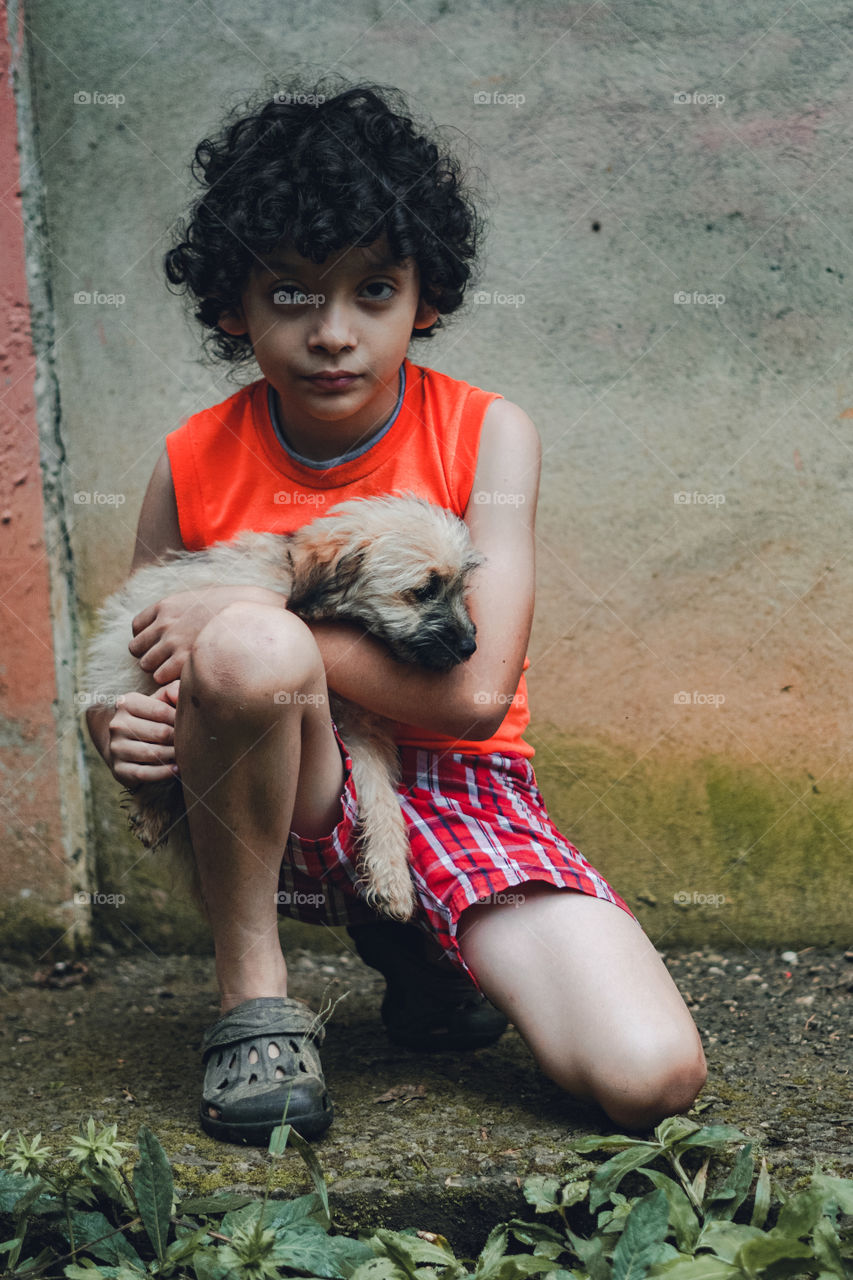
column 592, row 998
column 255, row 745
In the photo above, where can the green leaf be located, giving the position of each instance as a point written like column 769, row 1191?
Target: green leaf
column 800, row 1212
column 682, row 1216
column 534, row 1233
column 519, row 1266
column 835, row 1191
column 770, row 1247
column 91, row 1272
column 714, row 1135
column 306, row 1151
column 725, row 1202
column 675, row 1130
column 542, row 1192
column 12, row 1187
column 102, row 1239
column 573, row 1193
column 382, row 1268
column 153, row 1188
column 640, row 1242
column 827, row 1248
column 700, row 1182
column 303, row 1211
column 185, row 1246
column 761, row 1204
column 703, row 1268
column 726, row 1239
column 611, row 1142
column 349, row 1254
column 208, row 1266
column 612, row 1172
column 410, row 1250
column 212, row 1206
column 493, row 1250
column 309, row 1249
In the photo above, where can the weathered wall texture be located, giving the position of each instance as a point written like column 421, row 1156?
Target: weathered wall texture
column 665, row 290
column 42, row 819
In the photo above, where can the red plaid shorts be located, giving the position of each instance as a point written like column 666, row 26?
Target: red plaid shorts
column 478, row 828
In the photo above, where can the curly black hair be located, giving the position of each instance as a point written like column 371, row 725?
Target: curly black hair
column 322, row 173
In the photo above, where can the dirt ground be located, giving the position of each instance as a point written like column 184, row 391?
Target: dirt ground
column 440, row 1141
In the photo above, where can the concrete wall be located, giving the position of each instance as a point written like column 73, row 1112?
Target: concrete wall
column 667, row 275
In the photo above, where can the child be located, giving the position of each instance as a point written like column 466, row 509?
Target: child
column 330, row 233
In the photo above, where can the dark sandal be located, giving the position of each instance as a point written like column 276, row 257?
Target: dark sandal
column 281, row 1035
column 429, row 1004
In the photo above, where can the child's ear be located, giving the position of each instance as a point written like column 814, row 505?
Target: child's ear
column 233, row 322
column 425, row 315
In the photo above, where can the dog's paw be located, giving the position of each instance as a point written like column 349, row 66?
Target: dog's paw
column 394, row 896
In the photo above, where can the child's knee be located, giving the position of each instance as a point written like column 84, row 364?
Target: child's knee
column 251, row 656
column 637, row 1085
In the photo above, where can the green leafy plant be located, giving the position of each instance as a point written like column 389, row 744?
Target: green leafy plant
column 87, row 1215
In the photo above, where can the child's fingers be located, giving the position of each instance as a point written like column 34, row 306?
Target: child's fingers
column 170, row 691
column 144, row 706
column 144, row 619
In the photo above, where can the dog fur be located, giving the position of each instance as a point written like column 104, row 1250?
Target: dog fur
column 399, row 566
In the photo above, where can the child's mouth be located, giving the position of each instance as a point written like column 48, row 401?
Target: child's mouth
column 335, row 381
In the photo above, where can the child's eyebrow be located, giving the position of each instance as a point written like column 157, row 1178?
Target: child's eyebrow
column 387, row 262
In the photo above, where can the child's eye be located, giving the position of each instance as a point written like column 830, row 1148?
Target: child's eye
column 378, row 290
column 289, row 295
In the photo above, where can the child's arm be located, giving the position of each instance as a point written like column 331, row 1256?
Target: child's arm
column 471, row 700
column 135, row 737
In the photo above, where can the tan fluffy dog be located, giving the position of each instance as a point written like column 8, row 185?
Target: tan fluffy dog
column 398, row 566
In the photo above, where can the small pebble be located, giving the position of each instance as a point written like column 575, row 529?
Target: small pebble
column 718, row 973
column 790, row 957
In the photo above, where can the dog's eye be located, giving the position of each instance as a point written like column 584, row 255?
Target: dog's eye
column 430, row 589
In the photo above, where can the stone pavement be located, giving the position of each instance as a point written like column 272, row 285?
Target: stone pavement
column 441, row 1142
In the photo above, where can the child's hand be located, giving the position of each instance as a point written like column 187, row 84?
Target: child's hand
column 164, row 633
column 142, row 736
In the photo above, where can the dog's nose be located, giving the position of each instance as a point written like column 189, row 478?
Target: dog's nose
column 467, row 646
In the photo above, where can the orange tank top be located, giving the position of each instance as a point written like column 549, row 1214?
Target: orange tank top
column 231, row 472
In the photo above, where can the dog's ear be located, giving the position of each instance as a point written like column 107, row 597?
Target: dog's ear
column 321, row 589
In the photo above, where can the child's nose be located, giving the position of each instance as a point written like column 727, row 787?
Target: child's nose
column 333, row 330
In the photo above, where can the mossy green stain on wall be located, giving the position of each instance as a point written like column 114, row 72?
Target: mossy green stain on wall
column 731, row 853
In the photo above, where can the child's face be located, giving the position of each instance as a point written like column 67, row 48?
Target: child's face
column 351, row 315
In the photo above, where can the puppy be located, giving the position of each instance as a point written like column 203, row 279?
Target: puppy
column 399, row 566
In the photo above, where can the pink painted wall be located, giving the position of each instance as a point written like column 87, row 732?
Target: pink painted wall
column 32, row 867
